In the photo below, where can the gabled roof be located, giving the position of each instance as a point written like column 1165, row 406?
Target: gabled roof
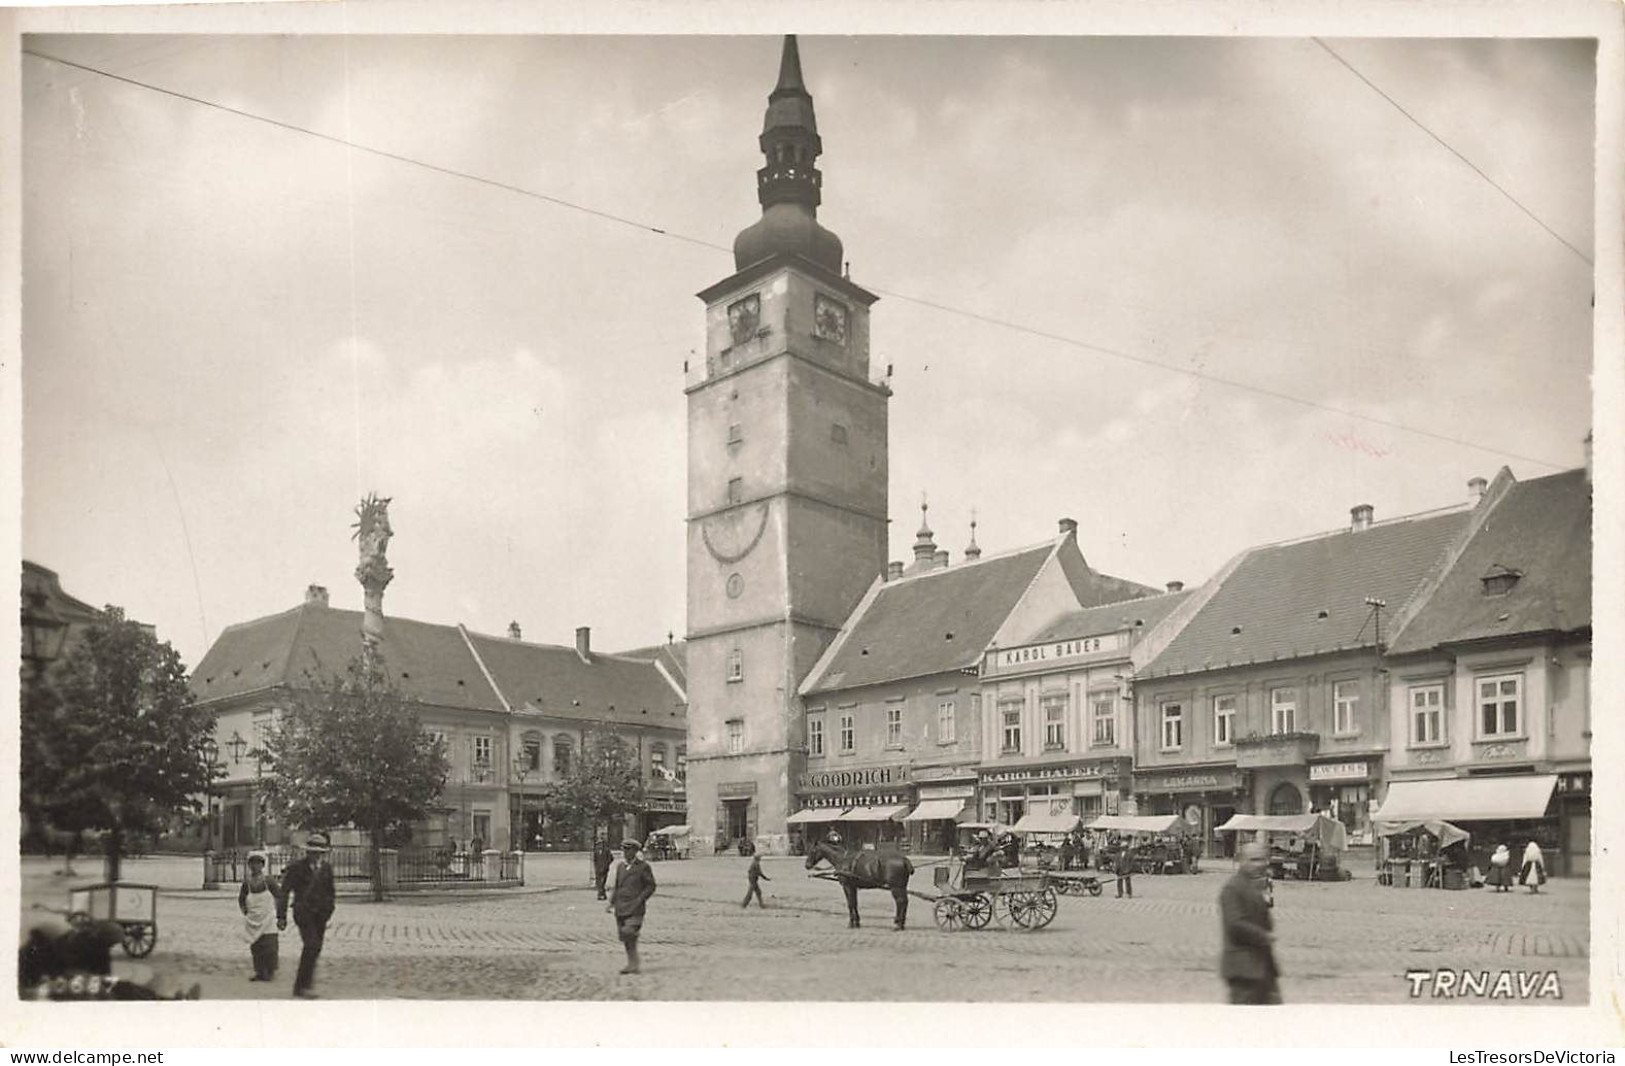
column 438, row 665
column 943, row 620
column 1307, row 597
column 1139, row 615
column 1540, row 529
column 555, row 681
column 672, row 655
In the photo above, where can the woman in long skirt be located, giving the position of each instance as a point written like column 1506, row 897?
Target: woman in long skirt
column 1533, row 872
column 1500, row 878
column 258, row 901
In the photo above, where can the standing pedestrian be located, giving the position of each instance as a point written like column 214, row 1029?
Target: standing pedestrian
column 756, row 876
column 1067, row 852
column 1501, row 869
column 1127, row 856
column 602, row 860
column 258, row 900
column 1247, row 963
column 1533, row 872
column 308, row 882
column 634, row 884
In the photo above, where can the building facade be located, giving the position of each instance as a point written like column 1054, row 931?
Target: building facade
column 1272, row 697
column 787, row 483
column 1490, row 678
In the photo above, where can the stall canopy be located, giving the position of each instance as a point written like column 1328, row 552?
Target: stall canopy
column 1036, row 822
column 1467, row 799
column 674, row 831
column 1142, row 823
column 1448, row 834
column 1329, row 833
column 933, row 810
column 814, row 814
column 873, row 814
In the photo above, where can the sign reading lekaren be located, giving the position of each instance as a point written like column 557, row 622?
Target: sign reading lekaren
column 863, row 777
column 1210, row 781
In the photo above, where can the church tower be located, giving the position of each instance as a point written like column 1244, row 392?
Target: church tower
column 787, row 483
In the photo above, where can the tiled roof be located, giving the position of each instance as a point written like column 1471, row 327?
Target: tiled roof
column 434, row 664
column 1541, row 528
column 1308, row 597
column 556, row 682
column 427, row 662
column 931, row 623
column 673, row 656
column 1137, row 614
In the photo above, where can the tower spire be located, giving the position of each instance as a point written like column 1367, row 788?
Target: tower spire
column 789, row 186
column 972, row 550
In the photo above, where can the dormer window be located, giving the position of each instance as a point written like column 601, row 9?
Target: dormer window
column 1498, row 580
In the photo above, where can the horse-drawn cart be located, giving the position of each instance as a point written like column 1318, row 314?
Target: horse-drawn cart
column 1076, row 882
column 970, row 899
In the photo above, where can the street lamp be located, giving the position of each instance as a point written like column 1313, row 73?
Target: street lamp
column 44, row 631
column 516, row 833
column 237, row 744
column 211, row 755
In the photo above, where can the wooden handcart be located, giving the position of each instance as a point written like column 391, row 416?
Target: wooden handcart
column 133, row 908
column 1076, row 882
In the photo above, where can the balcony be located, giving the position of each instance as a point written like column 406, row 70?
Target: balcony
column 1275, row 749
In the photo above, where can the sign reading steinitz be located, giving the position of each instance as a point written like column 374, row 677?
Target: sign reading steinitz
column 825, row 780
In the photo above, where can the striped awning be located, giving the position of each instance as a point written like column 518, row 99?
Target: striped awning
column 874, row 814
column 945, row 810
column 814, row 814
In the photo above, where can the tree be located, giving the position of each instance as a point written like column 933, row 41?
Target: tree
column 350, row 750
column 603, row 785
column 114, row 740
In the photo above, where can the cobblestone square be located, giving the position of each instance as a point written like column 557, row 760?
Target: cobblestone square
column 1337, row 943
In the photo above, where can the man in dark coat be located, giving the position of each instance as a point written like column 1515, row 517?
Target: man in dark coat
column 1127, row 856
column 1248, row 961
column 602, row 860
column 634, row 884
column 756, row 876
column 308, row 883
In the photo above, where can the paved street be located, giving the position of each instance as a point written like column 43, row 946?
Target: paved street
column 1347, row 942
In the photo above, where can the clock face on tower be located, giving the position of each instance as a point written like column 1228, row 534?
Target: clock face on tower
column 829, row 319
column 743, row 318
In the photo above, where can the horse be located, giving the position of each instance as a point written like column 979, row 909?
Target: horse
column 866, row 869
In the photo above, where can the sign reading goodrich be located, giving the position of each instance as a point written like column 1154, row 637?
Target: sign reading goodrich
column 865, row 777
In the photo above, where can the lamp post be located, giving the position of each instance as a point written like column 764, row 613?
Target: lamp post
column 44, row 632
column 211, row 755
column 516, row 833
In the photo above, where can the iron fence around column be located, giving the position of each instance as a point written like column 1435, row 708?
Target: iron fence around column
column 353, row 863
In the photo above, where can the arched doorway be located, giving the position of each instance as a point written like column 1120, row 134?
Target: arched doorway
column 1286, row 799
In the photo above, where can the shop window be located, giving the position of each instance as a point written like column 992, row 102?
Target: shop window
column 1054, row 708
column 1173, row 726
column 894, row 727
column 736, row 735
column 815, row 736
column 1427, row 714
column 1224, row 721
column 1283, row 710
column 1104, row 712
column 1498, row 699
column 1010, row 717
column 1286, row 799
column 945, row 721
column 849, row 734
column 1345, row 707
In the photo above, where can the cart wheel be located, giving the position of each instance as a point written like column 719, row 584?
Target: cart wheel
column 1044, row 907
column 1096, row 888
column 139, row 940
column 949, row 915
column 1024, row 909
column 977, row 910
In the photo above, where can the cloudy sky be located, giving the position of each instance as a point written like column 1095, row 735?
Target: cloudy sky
column 233, row 330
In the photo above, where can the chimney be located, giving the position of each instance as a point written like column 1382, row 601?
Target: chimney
column 940, row 561
column 1475, row 489
column 513, row 631
column 316, row 595
column 894, row 570
column 584, row 643
column 1588, row 458
column 1360, row 517
column 1176, row 586
column 1068, row 527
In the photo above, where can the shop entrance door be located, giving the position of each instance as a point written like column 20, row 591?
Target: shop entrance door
column 738, row 818
column 1577, row 846
column 1223, row 845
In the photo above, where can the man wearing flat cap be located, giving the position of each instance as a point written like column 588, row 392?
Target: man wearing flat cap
column 308, row 882
column 634, row 884
column 1248, row 961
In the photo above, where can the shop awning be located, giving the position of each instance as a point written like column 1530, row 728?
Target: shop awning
column 873, row 814
column 814, row 814
column 674, row 831
column 992, row 827
column 945, row 810
column 1046, row 823
column 1329, row 832
column 1142, row 823
column 1446, row 833
column 1467, row 799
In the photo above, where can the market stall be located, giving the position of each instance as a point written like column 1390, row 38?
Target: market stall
column 1306, row 846
column 1164, row 843
column 1423, row 854
column 1042, row 835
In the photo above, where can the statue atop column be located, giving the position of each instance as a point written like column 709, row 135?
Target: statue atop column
column 372, row 531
